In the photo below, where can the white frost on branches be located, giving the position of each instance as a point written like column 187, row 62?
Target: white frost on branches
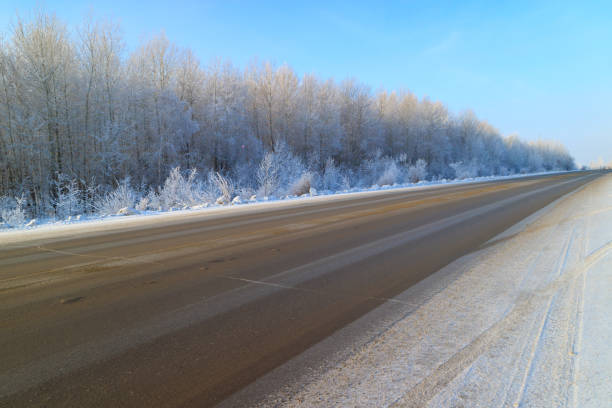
column 80, row 112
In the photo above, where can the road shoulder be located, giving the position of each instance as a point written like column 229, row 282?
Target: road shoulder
column 522, row 322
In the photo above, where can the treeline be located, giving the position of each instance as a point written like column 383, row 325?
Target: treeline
column 80, row 113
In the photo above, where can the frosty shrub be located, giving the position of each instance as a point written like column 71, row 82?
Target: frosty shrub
column 224, row 185
column 290, row 168
column 69, row 198
column 123, row 196
column 89, row 196
column 465, row 170
column 346, row 182
column 390, row 175
column 302, row 185
column 278, row 171
column 418, row 171
column 12, row 211
column 144, row 203
column 245, row 193
column 268, row 175
column 244, row 175
column 179, row 191
column 332, row 178
column 149, row 202
column 379, row 170
column 209, row 191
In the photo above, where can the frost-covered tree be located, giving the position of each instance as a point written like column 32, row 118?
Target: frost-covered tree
column 79, row 113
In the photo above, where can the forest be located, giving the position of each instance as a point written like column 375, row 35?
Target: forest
column 88, row 126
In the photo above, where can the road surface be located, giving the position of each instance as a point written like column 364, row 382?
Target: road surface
column 187, row 312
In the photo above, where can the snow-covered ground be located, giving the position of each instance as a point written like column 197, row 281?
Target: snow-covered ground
column 130, row 217
column 526, row 321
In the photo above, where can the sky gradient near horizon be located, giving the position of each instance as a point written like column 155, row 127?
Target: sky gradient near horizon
column 538, row 69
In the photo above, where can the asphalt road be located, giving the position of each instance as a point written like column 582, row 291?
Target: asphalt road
column 188, row 312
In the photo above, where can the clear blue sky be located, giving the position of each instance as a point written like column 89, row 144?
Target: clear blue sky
column 539, row 69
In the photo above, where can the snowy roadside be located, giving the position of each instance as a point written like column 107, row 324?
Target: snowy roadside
column 524, row 321
column 129, row 217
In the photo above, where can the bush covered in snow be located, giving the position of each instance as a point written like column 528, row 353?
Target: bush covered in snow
column 150, row 201
column 465, row 170
column 391, row 174
column 123, row 196
column 268, row 175
column 280, row 172
column 302, row 185
column 225, row 186
column 332, row 179
column 12, row 211
column 418, row 171
column 180, row 190
column 69, row 200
